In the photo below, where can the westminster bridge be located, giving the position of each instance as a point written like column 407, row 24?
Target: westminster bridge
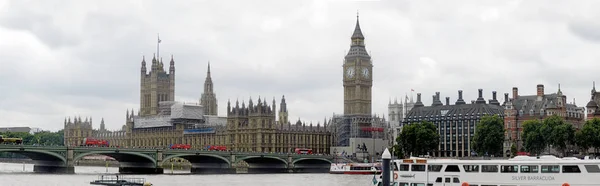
column 60, row 159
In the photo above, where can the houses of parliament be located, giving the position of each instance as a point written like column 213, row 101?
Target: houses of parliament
column 161, row 121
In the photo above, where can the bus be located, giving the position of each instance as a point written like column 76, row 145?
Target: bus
column 303, row 151
column 4, row 140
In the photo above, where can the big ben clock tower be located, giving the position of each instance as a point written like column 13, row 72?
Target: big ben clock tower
column 358, row 76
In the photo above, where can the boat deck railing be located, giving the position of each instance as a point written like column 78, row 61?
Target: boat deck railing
column 119, row 179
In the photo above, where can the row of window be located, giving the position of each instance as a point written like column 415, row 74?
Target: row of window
column 503, row 168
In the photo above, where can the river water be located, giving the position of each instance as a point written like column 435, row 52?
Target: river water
column 12, row 174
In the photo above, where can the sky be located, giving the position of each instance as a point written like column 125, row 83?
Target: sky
column 83, row 58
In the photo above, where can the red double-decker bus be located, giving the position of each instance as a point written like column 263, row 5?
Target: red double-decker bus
column 216, row 148
column 90, row 142
column 303, row 151
column 180, row 146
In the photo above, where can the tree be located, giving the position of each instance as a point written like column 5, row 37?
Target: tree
column 553, row 130
column 489, row 135
column 418, row 139
column 513, row 149
column 533, row 141
column 589, row 135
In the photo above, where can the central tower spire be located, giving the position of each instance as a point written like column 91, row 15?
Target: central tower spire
column 209, row 99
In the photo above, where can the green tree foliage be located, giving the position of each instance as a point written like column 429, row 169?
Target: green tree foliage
column 43, row 138
column 553, row 130
column 533, row 140
column 589, row 135
column 417, row 139
column 489, row 135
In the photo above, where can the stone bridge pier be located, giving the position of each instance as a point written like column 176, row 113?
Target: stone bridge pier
column 202, row 163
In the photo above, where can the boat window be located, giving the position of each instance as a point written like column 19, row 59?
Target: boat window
column 420, row 168
column 592, row 168
column 403, row 184
column 434, row 168
column 529, row 169
column 438, row 180
column 447, row 180
column 452, row 168
column 471, row 168
column 404, row 167
column 417, row 184
column 570, row 169
column 455, row 180
column 550, row 169
column 509, row 168
column 489, row 168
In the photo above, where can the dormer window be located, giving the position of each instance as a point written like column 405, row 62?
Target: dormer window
column 520, row 112
column 541, row 112
column 531, row 112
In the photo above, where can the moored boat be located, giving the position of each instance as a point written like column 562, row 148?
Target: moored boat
column 119, row 180
column 355, row 168
column 518, row 171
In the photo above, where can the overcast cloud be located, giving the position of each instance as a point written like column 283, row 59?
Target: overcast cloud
column 67, row 58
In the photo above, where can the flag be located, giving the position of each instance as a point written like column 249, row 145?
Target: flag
column 159, row 40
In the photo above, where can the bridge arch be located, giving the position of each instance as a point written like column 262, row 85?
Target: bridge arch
column 265, row 160
column 188, row 157
column 311, row 165
column 119, row 156
column 311, row 160
column 40, row 155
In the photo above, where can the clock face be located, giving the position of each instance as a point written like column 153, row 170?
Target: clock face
column 365, row 72
column 350, row 72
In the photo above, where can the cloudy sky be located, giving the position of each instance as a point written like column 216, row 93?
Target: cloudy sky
column 67, row 58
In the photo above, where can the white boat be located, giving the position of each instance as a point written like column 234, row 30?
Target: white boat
column 355, row 168
column 518, row 171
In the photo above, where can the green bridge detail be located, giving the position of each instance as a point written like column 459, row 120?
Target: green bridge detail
column 60, row 159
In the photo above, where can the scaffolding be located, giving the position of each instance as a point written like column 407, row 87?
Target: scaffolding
column 351, row 126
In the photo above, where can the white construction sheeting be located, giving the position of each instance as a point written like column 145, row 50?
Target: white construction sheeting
column 183, row 111
column 151, row 121
column 212, row 120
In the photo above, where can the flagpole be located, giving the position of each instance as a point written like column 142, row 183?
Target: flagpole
column 158, row 47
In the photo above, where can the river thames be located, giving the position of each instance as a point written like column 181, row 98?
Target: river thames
column 12, row 174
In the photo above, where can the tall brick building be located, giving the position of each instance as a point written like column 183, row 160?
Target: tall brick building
column 521, row 108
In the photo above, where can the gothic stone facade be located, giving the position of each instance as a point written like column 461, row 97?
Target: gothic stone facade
column 255, row 129
column 156, row 86
column 455, row 123
column 521, row 108
column 358, row 79
column 209, row 99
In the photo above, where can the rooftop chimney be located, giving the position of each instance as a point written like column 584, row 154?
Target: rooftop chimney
column 447, row 100
column 505, row 98
column 480, row 99
column 494, row 101
column 515, row 93
column 540, row 92
column 418, row 103
column 460, row 100
column 436, row 100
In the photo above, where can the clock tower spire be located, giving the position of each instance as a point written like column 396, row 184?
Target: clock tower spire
column 358, row 78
